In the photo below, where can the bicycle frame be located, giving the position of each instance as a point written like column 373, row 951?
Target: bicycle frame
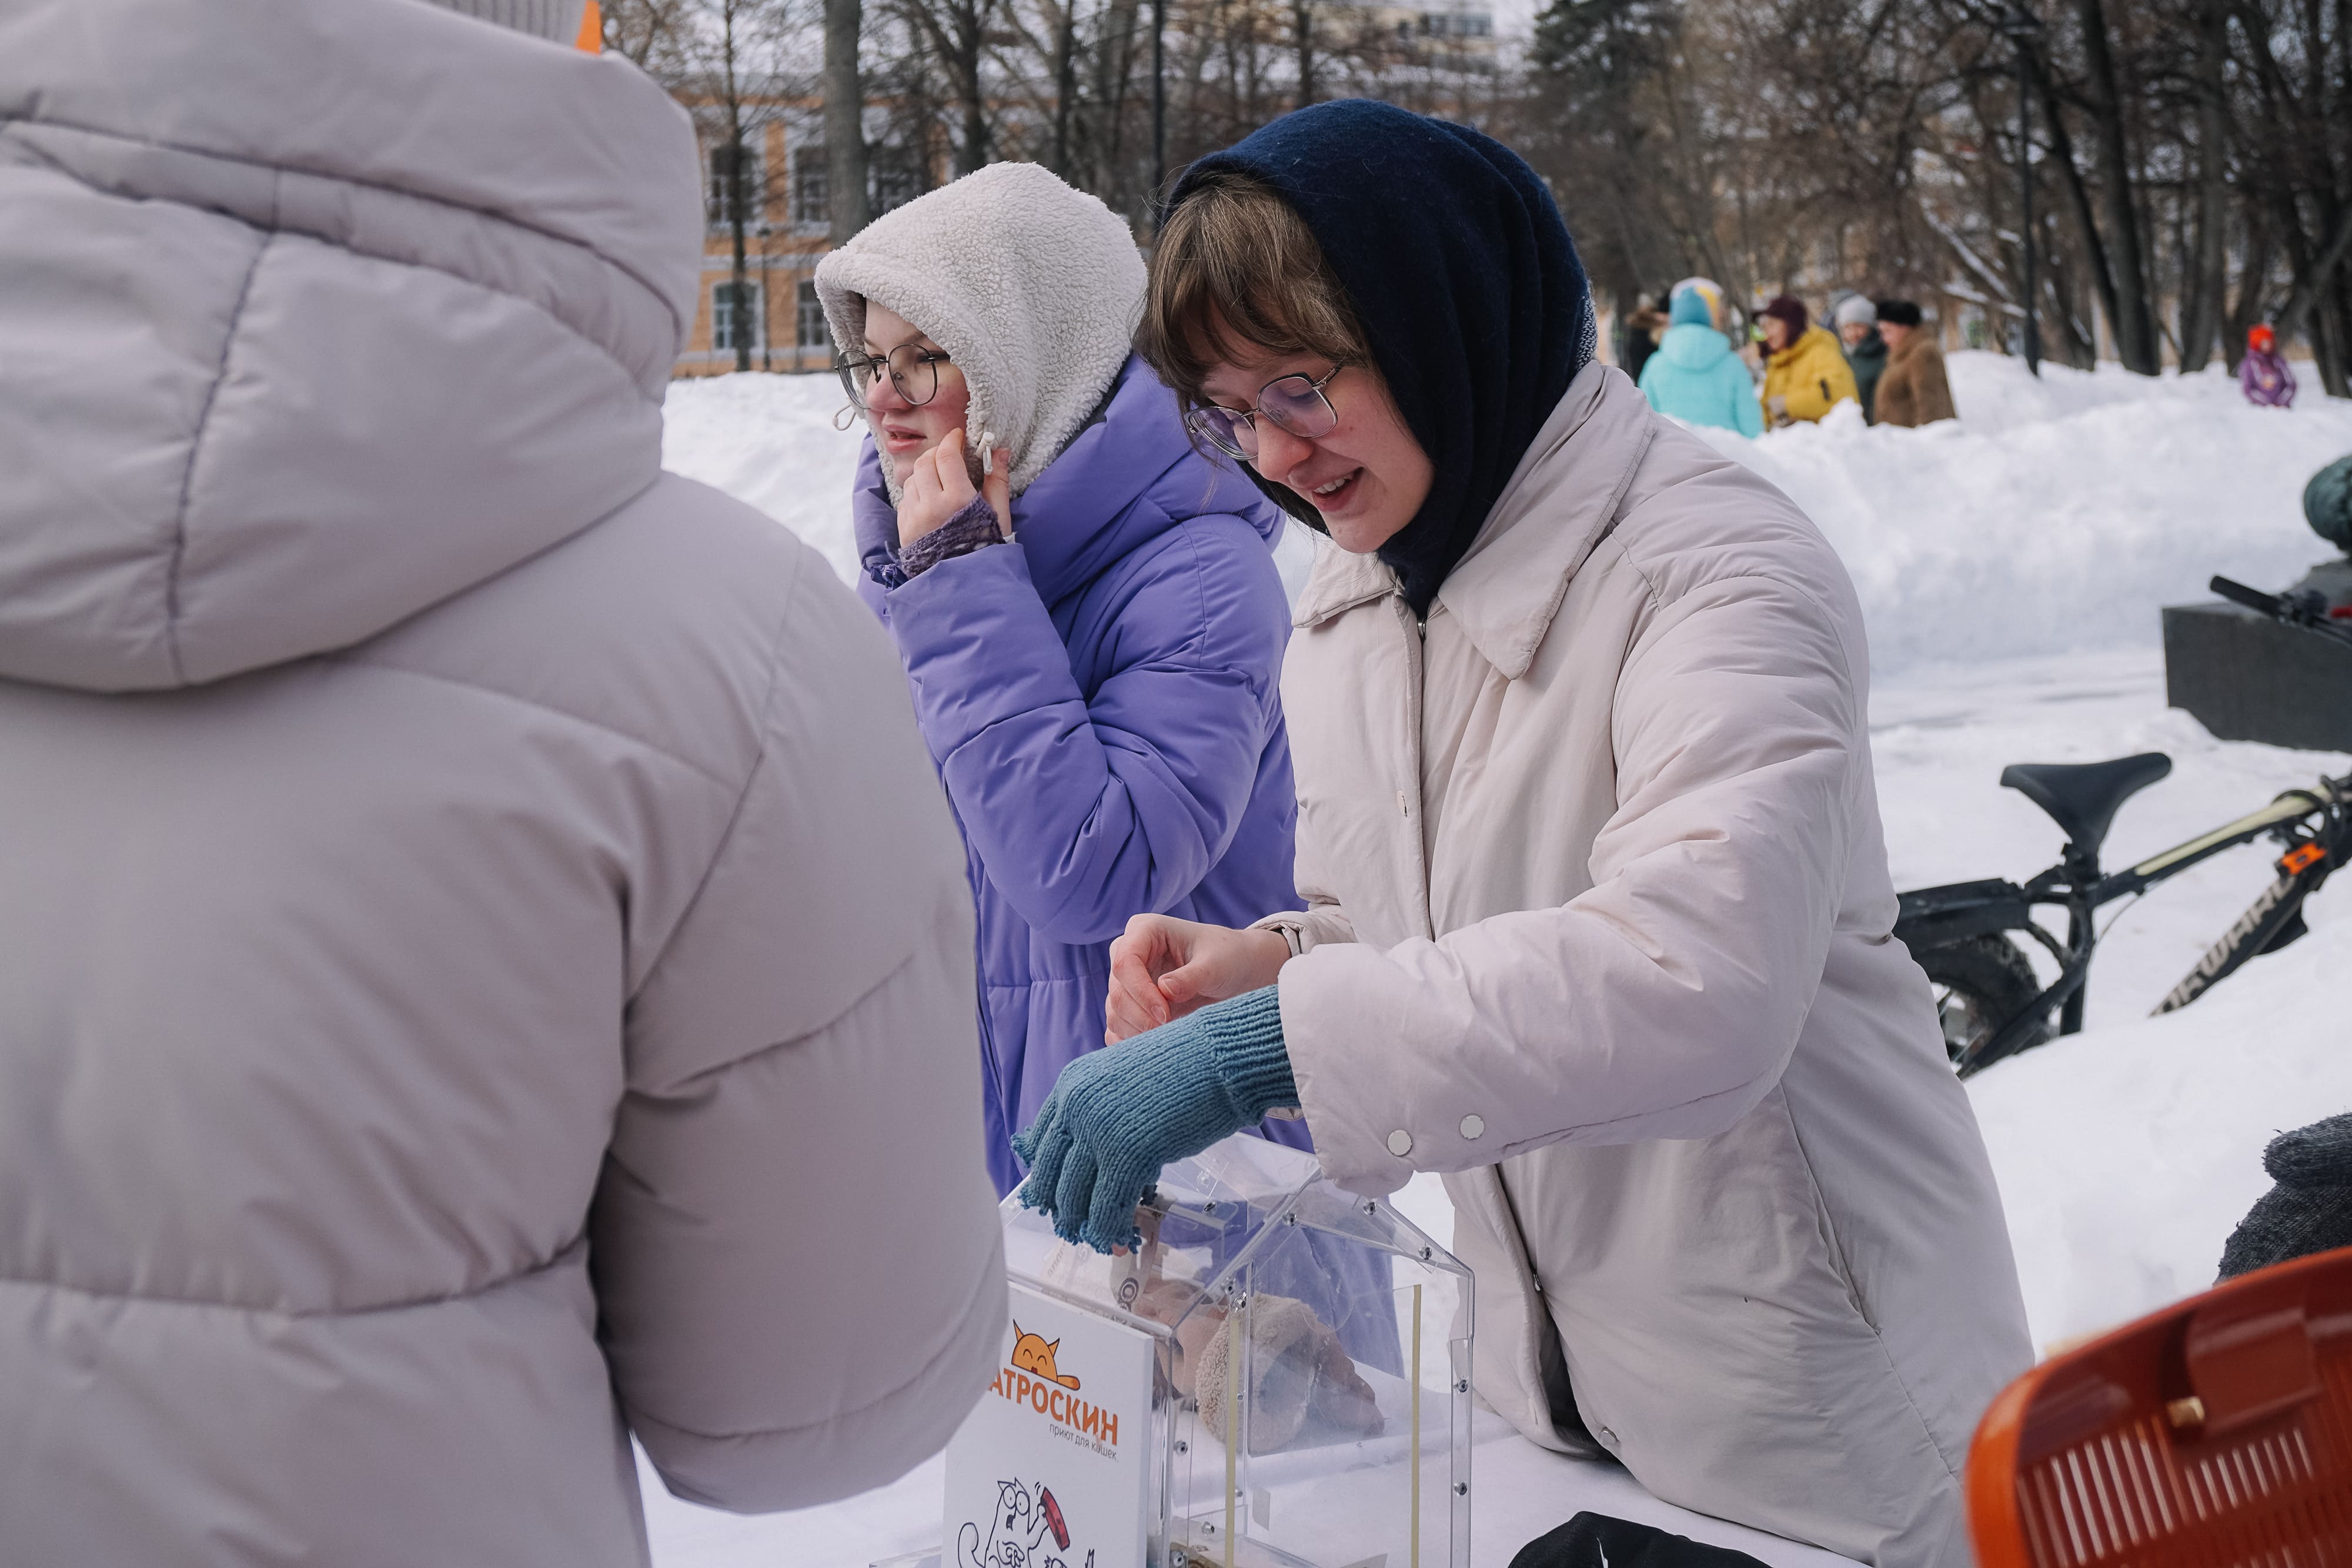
column 1933, row 916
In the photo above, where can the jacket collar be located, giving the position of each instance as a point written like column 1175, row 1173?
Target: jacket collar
column 1557, row 506
column 1916, row 344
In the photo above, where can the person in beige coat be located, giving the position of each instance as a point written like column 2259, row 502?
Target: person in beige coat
column 1914, row 390
column 485, row 966
column 1598, row 911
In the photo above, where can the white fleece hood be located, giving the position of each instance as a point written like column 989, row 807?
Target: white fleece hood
column 1033, row 289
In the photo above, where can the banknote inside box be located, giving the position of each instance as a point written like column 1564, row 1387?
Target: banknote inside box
column 1277, row 1377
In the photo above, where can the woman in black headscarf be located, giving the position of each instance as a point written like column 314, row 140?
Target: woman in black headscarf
column 1599, row 912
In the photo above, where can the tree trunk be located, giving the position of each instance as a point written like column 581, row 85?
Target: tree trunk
column 847, row 208
column 2071, row 345
column 972, row 39
column 2078, row 202
column 1302, row 39
column 2315, row 299
column 2332, row 346
column 959, row 43
column 2310, row 288
column 2206, row 274
column 1065, row 86
column 738, row 189
column 1114, row 53
column 2254, row 289
column 2133, row 324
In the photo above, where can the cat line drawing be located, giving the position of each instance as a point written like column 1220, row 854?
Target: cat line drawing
column 1017, row 1532
column 1034, row 1354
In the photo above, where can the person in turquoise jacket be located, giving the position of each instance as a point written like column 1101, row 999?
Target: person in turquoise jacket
column 1696, row 377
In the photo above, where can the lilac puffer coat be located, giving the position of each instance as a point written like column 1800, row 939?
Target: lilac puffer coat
column 1102, row 699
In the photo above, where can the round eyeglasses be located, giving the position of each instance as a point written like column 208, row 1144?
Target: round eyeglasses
column 914, row 373
column 1294, row 403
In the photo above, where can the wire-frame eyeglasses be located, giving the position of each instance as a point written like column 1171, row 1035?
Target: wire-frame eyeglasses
column 1294, row 403
column 914, row 373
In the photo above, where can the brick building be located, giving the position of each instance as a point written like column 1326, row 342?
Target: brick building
column 786, row 232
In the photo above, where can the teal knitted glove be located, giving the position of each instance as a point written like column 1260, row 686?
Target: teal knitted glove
column 1117, row 1116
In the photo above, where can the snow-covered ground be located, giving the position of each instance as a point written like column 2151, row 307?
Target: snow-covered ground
column 2058, row 515
column 2012, row 565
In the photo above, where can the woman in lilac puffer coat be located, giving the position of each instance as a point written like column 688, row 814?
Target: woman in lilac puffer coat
column 1100, row 688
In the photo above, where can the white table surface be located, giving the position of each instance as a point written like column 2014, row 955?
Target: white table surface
column 1522, row 1492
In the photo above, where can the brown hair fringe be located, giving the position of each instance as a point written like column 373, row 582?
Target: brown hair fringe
column 1234, row 267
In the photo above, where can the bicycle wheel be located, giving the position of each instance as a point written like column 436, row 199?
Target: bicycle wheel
column 1980, row 983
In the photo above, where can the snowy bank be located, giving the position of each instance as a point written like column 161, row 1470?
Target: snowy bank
column 2055, row 515
column 2128, row 1153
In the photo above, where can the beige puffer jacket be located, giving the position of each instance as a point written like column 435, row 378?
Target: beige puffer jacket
column 1598, row 891
column 485, row 962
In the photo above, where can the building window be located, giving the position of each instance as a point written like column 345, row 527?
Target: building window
column 895, row 181
column 720, row 204
column 812, row 186
column 732, row 328
column 814, row 333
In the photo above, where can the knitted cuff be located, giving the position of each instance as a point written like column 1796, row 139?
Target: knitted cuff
column 1245, row 1033
column 973, row 528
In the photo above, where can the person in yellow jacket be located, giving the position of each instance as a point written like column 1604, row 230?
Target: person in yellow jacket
column 1805, row 374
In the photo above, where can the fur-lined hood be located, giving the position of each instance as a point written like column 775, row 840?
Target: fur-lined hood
column 1033, row 289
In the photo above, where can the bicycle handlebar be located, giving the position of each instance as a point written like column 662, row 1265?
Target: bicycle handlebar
column 2253, row 599
column 2307, row 611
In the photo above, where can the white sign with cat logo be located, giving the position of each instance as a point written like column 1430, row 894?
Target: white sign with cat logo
column 1049, row 1470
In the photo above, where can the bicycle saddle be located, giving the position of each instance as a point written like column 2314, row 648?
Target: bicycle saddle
column 2082, row 796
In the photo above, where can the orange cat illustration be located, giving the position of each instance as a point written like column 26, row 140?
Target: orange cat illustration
column 1036, row 1356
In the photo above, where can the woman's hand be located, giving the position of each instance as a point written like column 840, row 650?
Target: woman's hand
column 1162, row 969
column 1116, row 1116
column 938, row 485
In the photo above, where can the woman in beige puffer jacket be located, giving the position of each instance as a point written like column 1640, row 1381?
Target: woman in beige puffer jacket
column 484, row 965
column 1599, row 914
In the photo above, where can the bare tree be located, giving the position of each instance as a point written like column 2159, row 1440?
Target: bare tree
column 844, row 120
column 648, row 33
column 730, row 77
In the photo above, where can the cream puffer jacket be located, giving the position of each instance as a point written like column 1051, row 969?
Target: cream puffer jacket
column 1599, row 928
column 484, row 963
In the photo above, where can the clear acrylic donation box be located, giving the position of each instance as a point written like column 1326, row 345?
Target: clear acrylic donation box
column 1277, row 1377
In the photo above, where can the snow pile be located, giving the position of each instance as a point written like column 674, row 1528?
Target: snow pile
column 2055, row 515
column 2125, row 1154
column 2128, row 1153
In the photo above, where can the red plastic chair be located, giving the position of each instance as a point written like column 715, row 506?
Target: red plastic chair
column 2215, row 1434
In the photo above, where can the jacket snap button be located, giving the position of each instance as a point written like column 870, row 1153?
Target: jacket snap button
column 1400, row 1143
column 1474, row 1126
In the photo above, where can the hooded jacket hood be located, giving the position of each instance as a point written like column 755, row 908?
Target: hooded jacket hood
column 1466, row 283
column 316, row 316
column 1691, row 348
column 1032, row 288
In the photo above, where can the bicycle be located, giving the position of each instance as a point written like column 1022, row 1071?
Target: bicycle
column 1992, row 1002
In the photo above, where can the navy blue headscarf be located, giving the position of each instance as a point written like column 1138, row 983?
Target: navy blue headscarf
column 1466, row 284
